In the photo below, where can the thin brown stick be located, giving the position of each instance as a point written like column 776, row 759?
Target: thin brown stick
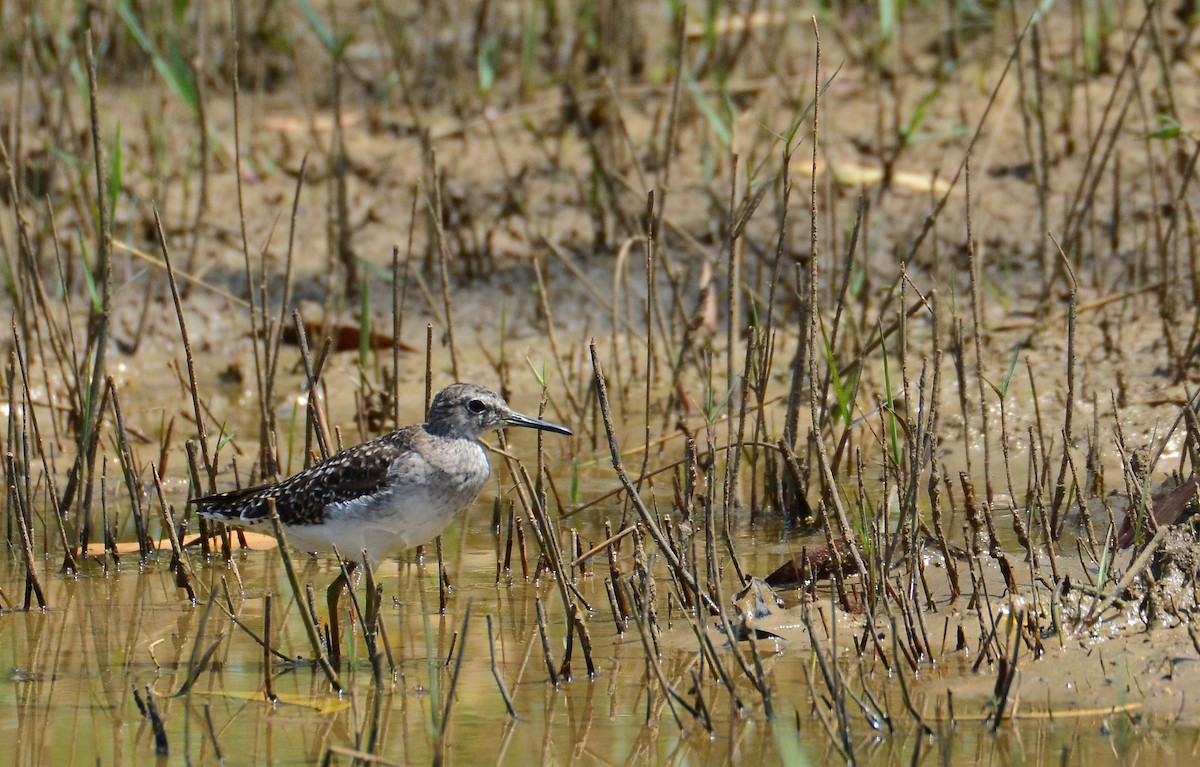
column 201, row 429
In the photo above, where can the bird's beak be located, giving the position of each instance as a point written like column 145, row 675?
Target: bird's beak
column 516, row 419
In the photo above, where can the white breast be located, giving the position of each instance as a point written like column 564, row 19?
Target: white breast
column 425, row 491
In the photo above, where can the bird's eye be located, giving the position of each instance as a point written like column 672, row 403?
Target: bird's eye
column 476, row 406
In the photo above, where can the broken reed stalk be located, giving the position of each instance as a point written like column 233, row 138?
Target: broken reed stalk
column 1060, row 485
column 374, row 620
column 397, row 322
column 97, row 341
column 551, row 337
column 650, row 653
column 444, row 722
column 435, row 204
column 976, row 336
column 840, row 306
column 503, row 558
column 201, row 429
column 316, row 421
column 150, row 711
column 258, row 313
column 268, row 677
column 179, row 563
column 508, row 704
column 227, row 608
column 269, row 439
column 310, row 626
column 443, row 576
column 544, row 530
column 682, row 574
column 108, row 533
column 1042, row 164
column 735, row 435
column 342, row 230
column 833, row 681
column 543, row 633
column 398, row 303
column 198, row 661
column 133, row 485
column 33, row 584
column 69, row 565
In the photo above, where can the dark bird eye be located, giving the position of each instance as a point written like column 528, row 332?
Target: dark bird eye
column 476, row 406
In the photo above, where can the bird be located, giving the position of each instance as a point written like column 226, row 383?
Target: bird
column 385, row 495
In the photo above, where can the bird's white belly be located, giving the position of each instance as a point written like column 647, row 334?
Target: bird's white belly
column 409, row 514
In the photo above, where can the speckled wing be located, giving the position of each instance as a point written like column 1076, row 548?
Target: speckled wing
column 355, row 473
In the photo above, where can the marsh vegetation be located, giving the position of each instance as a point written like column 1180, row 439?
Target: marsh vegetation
column 876, row 325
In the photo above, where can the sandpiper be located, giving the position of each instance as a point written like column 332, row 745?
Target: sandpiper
column 386, row 495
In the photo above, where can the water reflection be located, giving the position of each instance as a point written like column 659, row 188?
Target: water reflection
column 75, row 668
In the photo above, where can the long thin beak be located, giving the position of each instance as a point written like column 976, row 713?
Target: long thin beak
column 516, row 419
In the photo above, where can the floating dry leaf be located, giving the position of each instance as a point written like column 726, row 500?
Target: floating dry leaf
column 328, row 705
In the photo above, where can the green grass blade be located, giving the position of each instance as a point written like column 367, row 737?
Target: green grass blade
column 790, row 135
column 335, row 47
column 488, row 62
column 922, row 111
column 88, row 279
column 223, row 438
column 888, row 11
column 539, row 375
column 1012, row 366
column 174, row 73
column 718, row 124
column 843, row 396
column 574, row 482
column 114, row 172
column 1169, row 128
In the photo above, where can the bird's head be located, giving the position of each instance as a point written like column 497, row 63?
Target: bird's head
column 470, row 411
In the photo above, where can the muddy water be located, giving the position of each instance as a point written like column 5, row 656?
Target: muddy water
column 74, row 669
column 111, row 632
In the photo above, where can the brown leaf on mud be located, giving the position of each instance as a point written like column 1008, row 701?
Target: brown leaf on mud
column 733, row 22
column 346, row 337
column 1173, row 507
column 855, row 175
column 817, row 563
column 321, row 122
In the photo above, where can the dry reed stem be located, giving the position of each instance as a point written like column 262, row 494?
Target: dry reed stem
column 682, row 574
column 310, row 626
column 179, row 563
column 33, row 583
column 201, row 429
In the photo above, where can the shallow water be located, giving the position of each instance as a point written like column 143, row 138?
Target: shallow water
column 111, row 631
column 74, row 669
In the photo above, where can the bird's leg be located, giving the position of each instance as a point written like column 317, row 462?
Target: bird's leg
column 331, row 598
